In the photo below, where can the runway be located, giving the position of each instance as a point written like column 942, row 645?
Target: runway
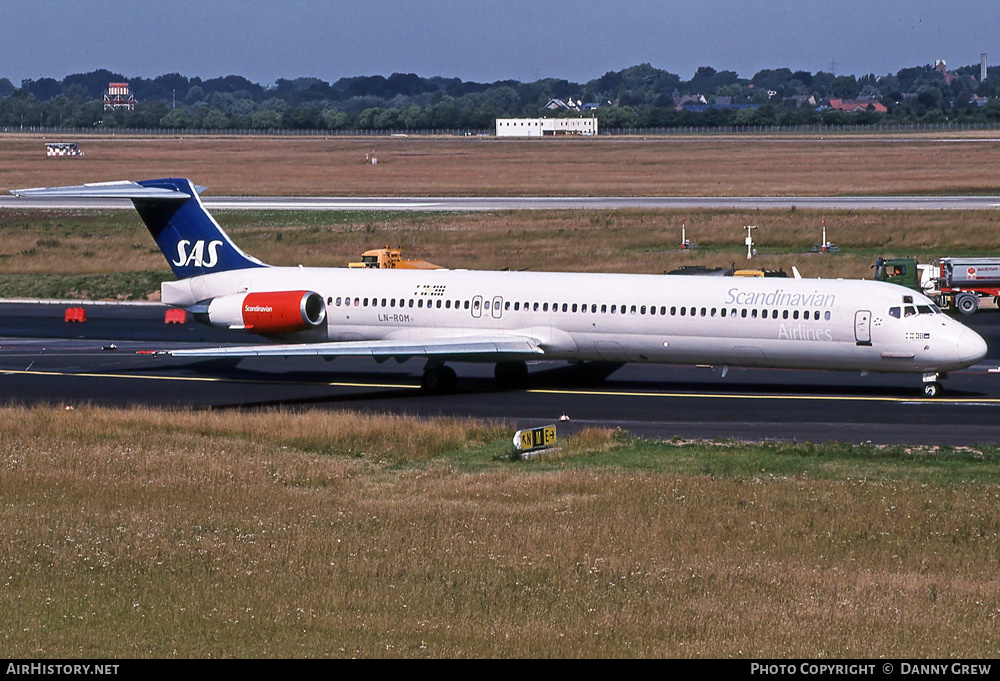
column 106, row 360
column 474, row 203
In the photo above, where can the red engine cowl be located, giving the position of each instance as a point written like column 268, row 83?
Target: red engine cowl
column 269, row 312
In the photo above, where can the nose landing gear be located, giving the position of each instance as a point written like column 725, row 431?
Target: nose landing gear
column 932, row 385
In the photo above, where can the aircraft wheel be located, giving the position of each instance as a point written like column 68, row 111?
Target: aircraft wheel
column 511, row 374
column 932, row 389
column 440, row 379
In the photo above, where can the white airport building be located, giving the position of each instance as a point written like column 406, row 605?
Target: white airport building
column 545, row 127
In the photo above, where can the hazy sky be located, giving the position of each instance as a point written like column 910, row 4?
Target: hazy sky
column 486, row 41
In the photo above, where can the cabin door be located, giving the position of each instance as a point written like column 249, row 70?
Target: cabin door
column 863, row 327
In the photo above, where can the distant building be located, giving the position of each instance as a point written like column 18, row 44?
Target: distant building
column 546, row 127
column 118, row 97
column 855, row 105
column 686, row 100
column 801, row 100
column 941, row 67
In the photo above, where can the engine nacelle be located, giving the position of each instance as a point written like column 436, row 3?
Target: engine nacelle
column 268, row 312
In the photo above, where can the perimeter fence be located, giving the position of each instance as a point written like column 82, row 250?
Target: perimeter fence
column 464, row 132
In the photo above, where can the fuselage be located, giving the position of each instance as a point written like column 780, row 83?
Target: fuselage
column 769, row 322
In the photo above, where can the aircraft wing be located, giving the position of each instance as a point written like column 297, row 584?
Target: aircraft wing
column 462, row 347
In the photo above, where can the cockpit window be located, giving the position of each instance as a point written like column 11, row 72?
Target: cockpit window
column 894, row 312
column 908, row 299
column 909, row 311
column 924, row 309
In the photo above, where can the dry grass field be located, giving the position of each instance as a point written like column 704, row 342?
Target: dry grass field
column 457, row 166
column 184, row 534
column 87, row 254
column 187, row 534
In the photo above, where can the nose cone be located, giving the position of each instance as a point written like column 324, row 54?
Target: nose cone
column 971, row 347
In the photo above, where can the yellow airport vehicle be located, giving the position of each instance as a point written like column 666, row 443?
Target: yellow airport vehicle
column 391, row 259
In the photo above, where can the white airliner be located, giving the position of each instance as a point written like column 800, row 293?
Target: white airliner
column 508, row 318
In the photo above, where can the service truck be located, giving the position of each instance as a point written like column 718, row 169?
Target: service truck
column 957, row 283
column 391, row 259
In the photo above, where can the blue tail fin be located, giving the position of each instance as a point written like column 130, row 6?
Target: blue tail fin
column 190, row 239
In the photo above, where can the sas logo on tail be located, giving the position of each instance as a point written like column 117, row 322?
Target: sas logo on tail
column 196, row 255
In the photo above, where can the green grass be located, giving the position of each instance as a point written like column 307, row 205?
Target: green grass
column 112, row 286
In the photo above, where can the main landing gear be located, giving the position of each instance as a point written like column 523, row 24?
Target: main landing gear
column 438, row 378
column 511, row 374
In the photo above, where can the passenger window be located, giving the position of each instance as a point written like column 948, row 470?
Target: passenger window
column 795, row 314
column 826, row 315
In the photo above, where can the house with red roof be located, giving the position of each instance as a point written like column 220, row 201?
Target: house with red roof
column 855, row 105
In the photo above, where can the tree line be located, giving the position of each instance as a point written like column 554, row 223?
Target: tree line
column 638, row 96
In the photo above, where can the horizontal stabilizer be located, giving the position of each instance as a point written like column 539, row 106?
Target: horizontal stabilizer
column 121, row 189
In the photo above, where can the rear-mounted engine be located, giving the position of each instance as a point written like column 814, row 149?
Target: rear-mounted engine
column 268, row 313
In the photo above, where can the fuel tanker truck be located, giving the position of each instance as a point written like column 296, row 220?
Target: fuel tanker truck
column 958, row 283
